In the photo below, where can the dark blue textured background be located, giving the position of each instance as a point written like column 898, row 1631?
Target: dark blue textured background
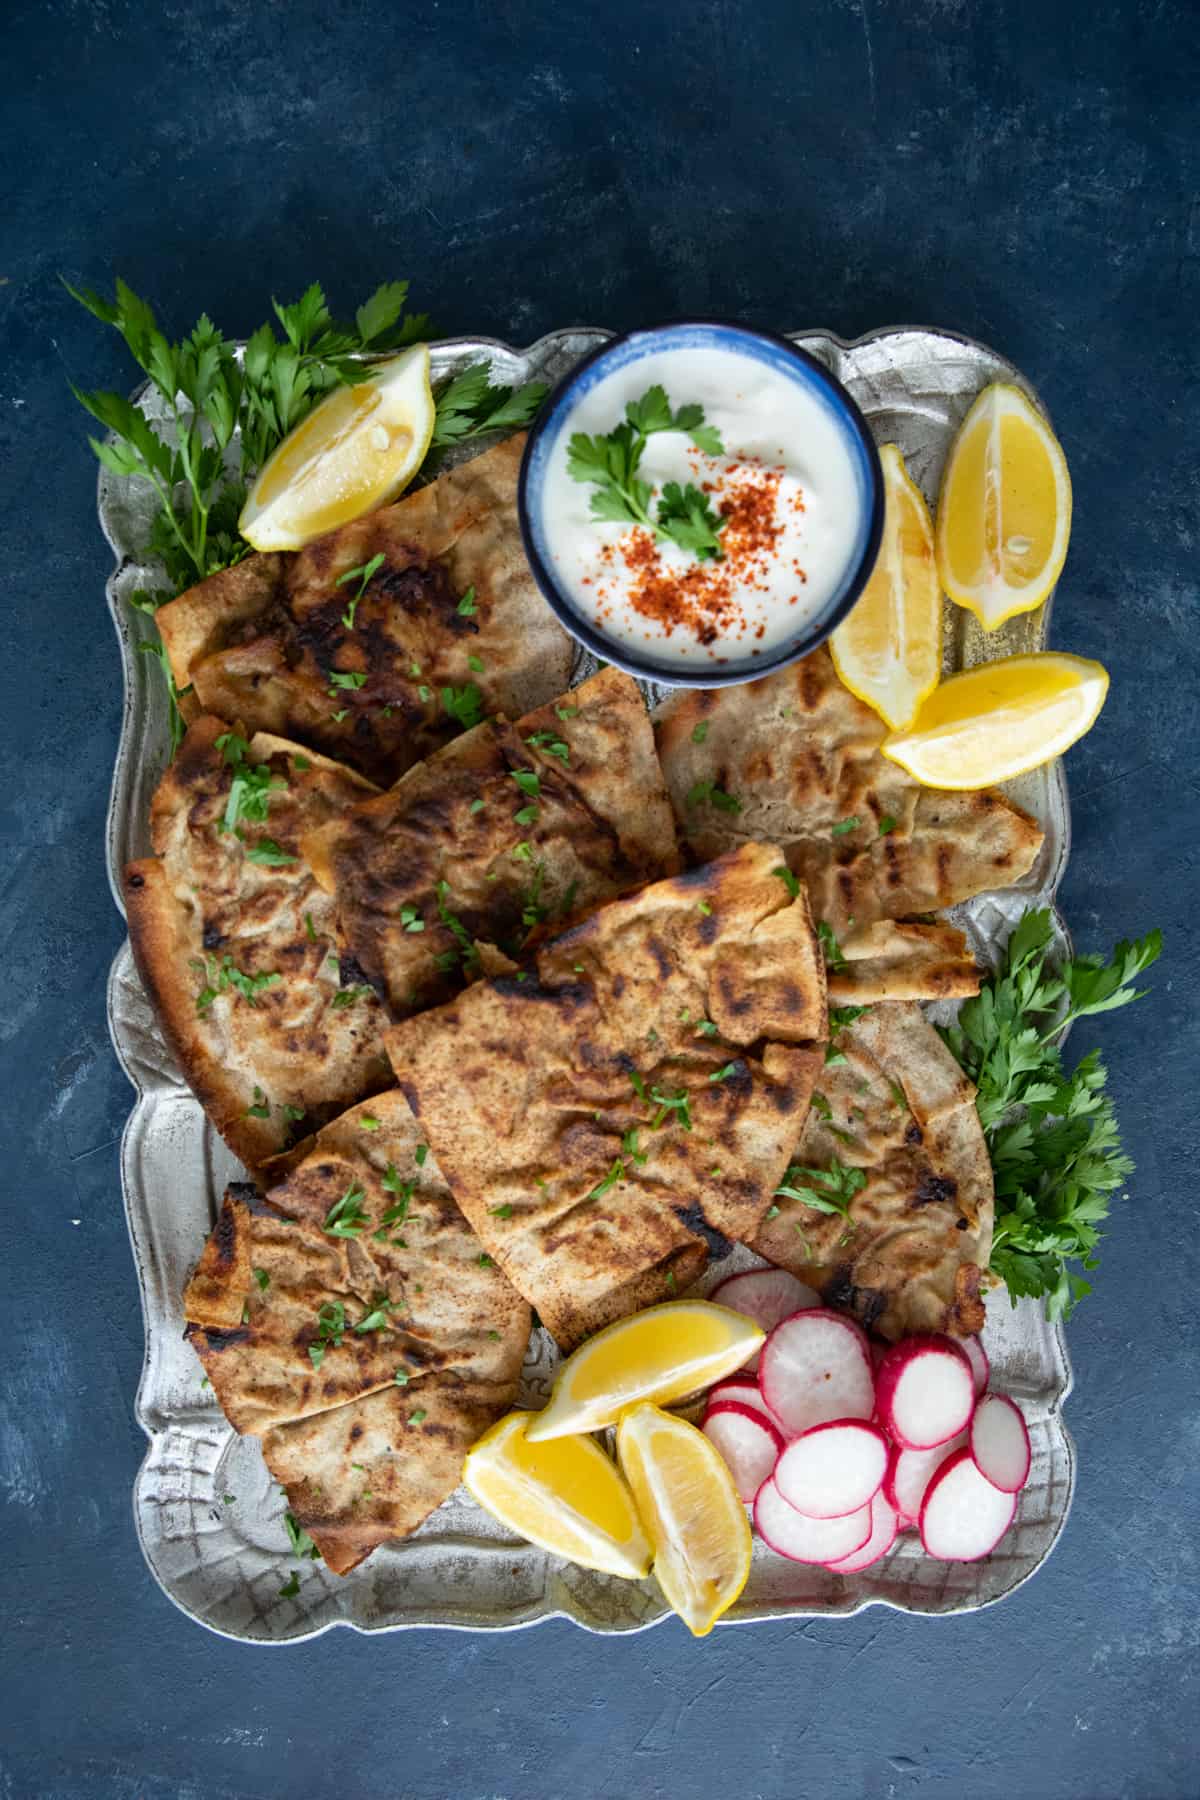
column 1022, row 171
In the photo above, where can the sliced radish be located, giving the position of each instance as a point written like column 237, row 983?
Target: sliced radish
column 972, row 1348
column 833, row 1469
column 1000, row 1443
column 736, row 1392
column 816, row 1366
column 768, row 1296
column 912, row 1471
column 746, row 1442
column 885, row 1524
column 963, row 1516
column 925, row 1391
column 790, row 1534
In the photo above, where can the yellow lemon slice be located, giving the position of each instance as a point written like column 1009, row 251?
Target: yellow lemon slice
column 1004, row 512
column 888, row 650
column 697, row 1524
column 565, row 1495
column 660, row 1354
column 998, row 720
column 355, row 451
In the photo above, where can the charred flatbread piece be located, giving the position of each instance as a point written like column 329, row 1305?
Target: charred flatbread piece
column 380, row 641
column 271, row 1022
column 890, row 960
column 352, row 1322
column 617, row 1112
column 910, row 1250
column 795, row 759
column 508, row 828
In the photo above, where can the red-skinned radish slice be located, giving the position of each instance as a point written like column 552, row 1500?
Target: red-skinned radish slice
column 833, row 1469
column 963, row 1517
column 790, row 1534
column 1000, row 1443
column 925, row 1391
column 746, row 1442
column 910, row 1474
column 768, row 1296
column 972, row 1348
column 738, row 1392
column 816, row 1366
column 884, row 1526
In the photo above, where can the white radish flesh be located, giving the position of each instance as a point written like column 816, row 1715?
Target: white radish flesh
column 747, row 1443
column 1000, row 1443
column 912, row 1471
column 790, row 1534
column 972, row 1348
column 963, row 1516
column 768, row 1296
column 925, row 1391
column 738, row 1392
column 816, row 1366
column 884, row 1526
column 833, row 1469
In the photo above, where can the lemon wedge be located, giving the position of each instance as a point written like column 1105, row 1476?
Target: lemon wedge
column 997, row 720
column 888, row 650
column 1004, row 512
column 660, row 1354
column 697, row 1524
column 355, row 451
column 565, row 1495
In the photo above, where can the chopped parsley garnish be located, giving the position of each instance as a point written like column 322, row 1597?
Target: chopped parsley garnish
column 639, row 1086
column 346, row 679
column 411, row 919
column 898, row 1095
column 528, row 815
column 550, row 744
column 377, row 1318
column 567, row 712
column 484, row 1260
column 416, row 1417
column 401, row 1377
column 251, row 787
column 347, row 1216
column 458, row 931
column 421, row 1152
column 476, row 806
column 788, row 879
column 331, row 1327
column 269, row 853
column 834, row 1059
column 225, row 975
column 705, row 907
column 291, row 1586
column 501, row 1212
column 263, row 1279
column 301, row 1544
column 362, row 574
column 527, row 780
column 300, row 763
column 700, row 732
column 466, row 607
column 343, row 712
column 731, row 1068
column 464, row 704
column 841, row 1016
column 629, row 1144
column 423, row 693
column 671, row 1103
column 887, row 824
column 669, row 1280
column 610, row 464
column 293, row 1112
column 707, row 793
column 347, row 996
column 835, row 1189
column 523, row 852
column 833, row 950
column 261, row 1108
column 615, row 1174
column 475, row 663
column 368, row 1122
column 821, row 1106
column 706, row 1028
column 843, row 826
column 310, row 930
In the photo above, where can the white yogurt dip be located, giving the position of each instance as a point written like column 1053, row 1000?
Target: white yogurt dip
column 787, row 484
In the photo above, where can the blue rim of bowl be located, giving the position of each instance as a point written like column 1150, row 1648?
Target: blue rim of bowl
column 816, row 631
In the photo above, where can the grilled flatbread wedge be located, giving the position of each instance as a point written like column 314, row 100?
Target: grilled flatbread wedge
column 795, row 759
column 351, row 1321
column 507, row 827
column 270, row 1020
column 910, row 1253
column 617, row 1112
column 890, row 960
column 448, row 626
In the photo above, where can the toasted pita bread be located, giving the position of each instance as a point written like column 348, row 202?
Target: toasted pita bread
column 800, row 757
column 507, row 827
column 910, row 1255
column 540, row 1091
column 893, row 961
column 263, row 641
column 206, row 921
column 363, row 1457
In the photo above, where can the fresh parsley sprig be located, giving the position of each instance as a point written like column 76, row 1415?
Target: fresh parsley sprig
column 826, row 1190
column 685, row 515
column 1053, row 1138
column 471, row 405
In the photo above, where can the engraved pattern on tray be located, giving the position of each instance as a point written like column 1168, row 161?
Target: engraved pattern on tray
column 223, row 1561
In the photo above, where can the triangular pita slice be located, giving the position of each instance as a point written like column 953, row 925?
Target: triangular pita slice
column 508, row 828
column 447, row 628
column 912, row 1253
column 795, row 759
column 305, row 1309
column 890, row 960
column 623, row 1107
column 269, row 1018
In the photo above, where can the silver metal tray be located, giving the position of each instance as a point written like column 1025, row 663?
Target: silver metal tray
column 209, row 1519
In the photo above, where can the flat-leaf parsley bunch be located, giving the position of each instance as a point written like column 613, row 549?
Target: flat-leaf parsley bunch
column 685, row 515
column 1053, row 1137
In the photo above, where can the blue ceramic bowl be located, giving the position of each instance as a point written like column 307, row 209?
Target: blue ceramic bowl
column 556, row 423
